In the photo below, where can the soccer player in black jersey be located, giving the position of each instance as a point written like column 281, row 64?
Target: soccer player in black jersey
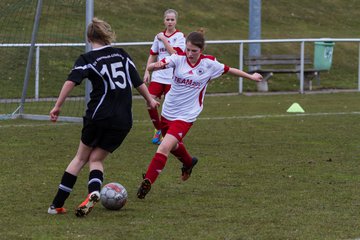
column 108, row 118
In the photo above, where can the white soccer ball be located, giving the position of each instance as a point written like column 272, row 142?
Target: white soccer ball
column 113, row 196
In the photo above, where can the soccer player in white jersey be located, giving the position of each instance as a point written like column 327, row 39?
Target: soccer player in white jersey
column 183, row 103
column 108, row 117
column 165, row 43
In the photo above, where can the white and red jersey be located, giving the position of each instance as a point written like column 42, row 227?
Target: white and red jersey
column 177, row 41
column 184, row 101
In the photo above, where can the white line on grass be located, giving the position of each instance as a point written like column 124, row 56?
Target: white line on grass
column 35, row 125
column 204, row 118
column 280, row 115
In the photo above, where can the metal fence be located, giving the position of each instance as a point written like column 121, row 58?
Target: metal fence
column 241, row 44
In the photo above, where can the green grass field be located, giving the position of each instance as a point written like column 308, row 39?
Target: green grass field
column 263, row 173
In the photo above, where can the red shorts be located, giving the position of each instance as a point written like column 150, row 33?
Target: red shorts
column 177, row 128
column 158, row 89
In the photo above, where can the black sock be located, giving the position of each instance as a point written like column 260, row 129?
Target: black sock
column 96, row 178
column 66, row 185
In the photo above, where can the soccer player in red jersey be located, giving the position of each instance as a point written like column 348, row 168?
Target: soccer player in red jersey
column 165, row 43
column 183, row 103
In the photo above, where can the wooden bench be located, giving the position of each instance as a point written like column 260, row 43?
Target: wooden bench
column 268, row 65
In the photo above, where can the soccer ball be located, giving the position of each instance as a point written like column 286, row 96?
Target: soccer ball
column 113, row 196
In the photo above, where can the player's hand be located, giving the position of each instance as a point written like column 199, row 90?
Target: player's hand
column 147, row 77
column 160, row 36
column 54, row 114
column 153, row 103
column 160, row 64
column 257, row 77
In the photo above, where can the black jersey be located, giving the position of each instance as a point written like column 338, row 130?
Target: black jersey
column 112, row 74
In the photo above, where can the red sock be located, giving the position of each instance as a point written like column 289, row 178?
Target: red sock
column 183, row 155
column 154, row 116
column 157, row 164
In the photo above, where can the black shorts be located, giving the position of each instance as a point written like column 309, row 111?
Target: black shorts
column 103, row 134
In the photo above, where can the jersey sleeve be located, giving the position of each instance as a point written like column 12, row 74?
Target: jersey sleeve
column 154, row 50
column 218, row 69
column 79, row 71
column 179, row 45
column 132, row 74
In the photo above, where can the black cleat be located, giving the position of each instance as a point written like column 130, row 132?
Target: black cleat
column 144, row 188
column 186, row 171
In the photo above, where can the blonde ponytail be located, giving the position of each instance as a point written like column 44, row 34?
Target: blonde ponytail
column 100, row 31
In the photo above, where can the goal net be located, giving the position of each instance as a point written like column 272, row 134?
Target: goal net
column 59, row 41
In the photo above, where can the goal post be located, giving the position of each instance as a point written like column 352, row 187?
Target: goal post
column 31, row 54
column 36, row 53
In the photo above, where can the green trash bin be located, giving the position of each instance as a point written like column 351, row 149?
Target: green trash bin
column 323, row 53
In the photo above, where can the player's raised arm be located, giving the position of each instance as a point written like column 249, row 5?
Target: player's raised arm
column 237, row 72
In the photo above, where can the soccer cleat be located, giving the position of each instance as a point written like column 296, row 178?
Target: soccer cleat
column 53, row 210
column 88, row 204
column 144, row 188
column 186, row 171
column 157, row 138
